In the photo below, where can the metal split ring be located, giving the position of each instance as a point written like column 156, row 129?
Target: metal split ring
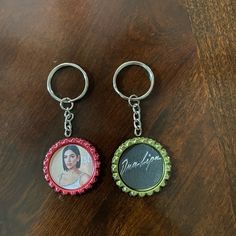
column 68, row 100
column 134, row 63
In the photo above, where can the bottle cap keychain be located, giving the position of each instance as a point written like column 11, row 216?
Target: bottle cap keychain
column 71, row 165
column 140, row 165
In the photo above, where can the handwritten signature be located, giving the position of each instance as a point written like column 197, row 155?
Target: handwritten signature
column 145, row 162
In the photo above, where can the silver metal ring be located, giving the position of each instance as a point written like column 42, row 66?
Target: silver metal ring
column 134, row 63
column 58, row 67
column 132, row 99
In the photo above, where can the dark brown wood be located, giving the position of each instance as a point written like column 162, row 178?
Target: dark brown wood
column 191, row 48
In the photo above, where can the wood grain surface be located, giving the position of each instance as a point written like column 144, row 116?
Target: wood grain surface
column 189, row 45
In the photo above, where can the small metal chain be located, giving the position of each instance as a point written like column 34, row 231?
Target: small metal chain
column 69, row 116
column 67, row 124
column 134, row 103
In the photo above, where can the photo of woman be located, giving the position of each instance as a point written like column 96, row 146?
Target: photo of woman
column 71, row 167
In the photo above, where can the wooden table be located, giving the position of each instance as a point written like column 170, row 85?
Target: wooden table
column 190, row 47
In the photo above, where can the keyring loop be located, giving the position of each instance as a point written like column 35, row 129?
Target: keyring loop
column 67, row 101
column 134, row 63
column 58, row 67
column 133, row 98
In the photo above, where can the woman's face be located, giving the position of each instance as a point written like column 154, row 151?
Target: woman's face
column 70, row 159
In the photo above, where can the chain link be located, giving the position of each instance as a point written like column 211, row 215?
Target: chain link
column 67, row 105
column 67, row 124
column 134, row 103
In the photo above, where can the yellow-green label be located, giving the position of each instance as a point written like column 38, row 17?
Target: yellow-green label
column 141, row 166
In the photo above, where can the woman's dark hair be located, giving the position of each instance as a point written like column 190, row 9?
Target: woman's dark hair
column 74, row 149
